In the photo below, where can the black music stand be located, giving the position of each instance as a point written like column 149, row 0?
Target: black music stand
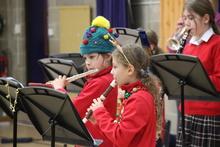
column 128, row 36
column 54, row 116
column 8, row 89
column 53, row 67
column 77, row 59
column 184, row 77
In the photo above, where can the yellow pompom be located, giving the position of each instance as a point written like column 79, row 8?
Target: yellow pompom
column 101, row 21
column 106, row 37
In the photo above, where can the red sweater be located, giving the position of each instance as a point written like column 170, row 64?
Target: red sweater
column 209, row 55
column 138, row 122
column 92, row 89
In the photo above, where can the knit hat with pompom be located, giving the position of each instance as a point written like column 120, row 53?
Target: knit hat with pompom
column 96, row 37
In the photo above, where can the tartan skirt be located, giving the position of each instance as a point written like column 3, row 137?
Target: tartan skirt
column 200, row 131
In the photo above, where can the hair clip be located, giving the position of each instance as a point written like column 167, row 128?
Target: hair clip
column 116, row 44
column 144, row 73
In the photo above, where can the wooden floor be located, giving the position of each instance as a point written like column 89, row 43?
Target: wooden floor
column 24, row 129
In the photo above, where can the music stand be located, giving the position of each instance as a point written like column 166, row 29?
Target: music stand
column 183, row 77
column 54, row 116
column 129, row 36
column 77, row 59
column 9, row 101
column 53, row 67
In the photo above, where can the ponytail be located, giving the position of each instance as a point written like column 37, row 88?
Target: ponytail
column 154, row 85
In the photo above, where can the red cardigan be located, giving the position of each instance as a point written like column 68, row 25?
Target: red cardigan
column 209, row 55
column 94, row 87
column 138, row 123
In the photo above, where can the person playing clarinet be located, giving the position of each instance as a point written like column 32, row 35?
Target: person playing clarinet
column 202, row 118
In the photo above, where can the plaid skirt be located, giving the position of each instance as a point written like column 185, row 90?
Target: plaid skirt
column 200, row 131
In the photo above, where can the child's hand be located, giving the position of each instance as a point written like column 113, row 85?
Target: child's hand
column 97, row 103
column 180, row 24
column 59, row 82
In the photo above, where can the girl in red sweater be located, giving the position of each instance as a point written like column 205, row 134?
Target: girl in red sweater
column 96, row 49
column 202, row 118
column 136, row 124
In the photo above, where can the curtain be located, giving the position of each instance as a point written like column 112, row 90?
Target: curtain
column 116, row 11
column 36, row 38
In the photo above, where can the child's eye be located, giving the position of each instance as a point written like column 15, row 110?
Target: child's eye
column 190, row 17
column 89, row 57
column 184, row 18
column 92, row 57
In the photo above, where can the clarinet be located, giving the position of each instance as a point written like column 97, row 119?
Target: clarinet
column 102, row 97
column 182, row 41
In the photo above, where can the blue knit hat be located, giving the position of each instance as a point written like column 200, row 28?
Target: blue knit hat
column 96, row 37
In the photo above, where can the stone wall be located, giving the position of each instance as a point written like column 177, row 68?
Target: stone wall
column 12, row 40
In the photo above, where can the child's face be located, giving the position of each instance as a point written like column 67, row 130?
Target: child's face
column 197, row 24
column 94, row 61
column 120, row 72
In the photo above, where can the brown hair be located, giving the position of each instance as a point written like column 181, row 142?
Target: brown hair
column 202, row 7
column 153, row 39
column 139, row 58
column 106, row 55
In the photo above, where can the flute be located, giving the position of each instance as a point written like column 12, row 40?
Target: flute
column 78, row 76
column 69, row 79
column 102, row 97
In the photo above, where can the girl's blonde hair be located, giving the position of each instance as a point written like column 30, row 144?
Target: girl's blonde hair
column 139, row 58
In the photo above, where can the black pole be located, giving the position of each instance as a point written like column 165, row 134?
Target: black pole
column 15, row 129
column 53, row 133
column 182, row 84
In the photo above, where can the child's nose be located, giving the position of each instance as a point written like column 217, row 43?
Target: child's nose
column 87, row 62
column 112, row 71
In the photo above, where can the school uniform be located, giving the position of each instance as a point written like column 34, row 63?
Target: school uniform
column 203, row 117
column 137, row 122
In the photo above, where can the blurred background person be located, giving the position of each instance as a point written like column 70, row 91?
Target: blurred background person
column 153, row 40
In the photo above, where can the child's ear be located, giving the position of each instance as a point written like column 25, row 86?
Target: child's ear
column 206, row 18
column 108, row 57
column 130, row 69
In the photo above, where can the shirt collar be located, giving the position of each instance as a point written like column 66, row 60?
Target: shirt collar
column 205, row 37
column 129, row 87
